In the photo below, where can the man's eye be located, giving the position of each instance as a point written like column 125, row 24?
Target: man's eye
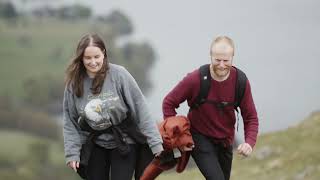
column 97, row 57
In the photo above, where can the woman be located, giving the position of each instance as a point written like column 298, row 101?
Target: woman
column 104, row 115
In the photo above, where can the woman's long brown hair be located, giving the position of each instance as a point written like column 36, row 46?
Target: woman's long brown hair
column 76, row 71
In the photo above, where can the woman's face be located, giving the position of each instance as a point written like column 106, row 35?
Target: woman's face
column 93, row 60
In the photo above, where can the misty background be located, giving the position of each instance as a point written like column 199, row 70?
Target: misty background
column 277, row 46
column 159, row 42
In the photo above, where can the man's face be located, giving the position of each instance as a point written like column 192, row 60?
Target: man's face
column 221, row 59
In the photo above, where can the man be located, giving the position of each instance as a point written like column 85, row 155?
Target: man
column 213, row 120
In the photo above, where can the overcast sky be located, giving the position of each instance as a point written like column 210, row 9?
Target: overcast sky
column 277, row 44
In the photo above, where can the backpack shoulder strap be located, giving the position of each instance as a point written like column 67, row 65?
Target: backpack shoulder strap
column 241, row 83
column 205, row 82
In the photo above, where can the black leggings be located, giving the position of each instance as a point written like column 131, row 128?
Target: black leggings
column 105, row 164
column 213, row 160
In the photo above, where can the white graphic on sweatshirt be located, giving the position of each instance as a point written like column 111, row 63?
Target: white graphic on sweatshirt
column 98, row 108
column 96, row 118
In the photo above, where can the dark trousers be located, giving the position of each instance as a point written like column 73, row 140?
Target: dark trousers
column 144, row 158
column 105, row 164
column 213, row 159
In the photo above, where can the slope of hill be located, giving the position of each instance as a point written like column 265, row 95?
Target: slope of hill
column 29, row 157
column 291, row 154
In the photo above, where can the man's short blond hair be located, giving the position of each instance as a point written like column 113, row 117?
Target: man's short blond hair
column 225, row 39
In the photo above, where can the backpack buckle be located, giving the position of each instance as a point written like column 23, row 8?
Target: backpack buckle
column 202, row 101
column 222, row 104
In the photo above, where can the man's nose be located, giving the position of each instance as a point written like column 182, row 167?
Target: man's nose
column 221, row 63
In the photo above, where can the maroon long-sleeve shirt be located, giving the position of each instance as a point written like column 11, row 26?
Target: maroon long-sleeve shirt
column 208, row 120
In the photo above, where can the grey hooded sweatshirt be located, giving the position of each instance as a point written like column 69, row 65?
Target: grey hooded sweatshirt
column 120, row 97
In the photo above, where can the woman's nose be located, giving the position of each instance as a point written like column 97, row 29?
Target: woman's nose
column 93, row 61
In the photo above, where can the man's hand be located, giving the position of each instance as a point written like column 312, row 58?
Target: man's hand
column 73, row 165
column 244, row 149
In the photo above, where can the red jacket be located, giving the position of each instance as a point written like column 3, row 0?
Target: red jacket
column 175, row 132
column 209, row 120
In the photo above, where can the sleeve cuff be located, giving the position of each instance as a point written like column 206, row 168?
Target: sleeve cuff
column 156, row 148
column 72, row 158
column 251, row 143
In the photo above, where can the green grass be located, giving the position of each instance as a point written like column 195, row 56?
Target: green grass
column 188, row 174
column 294, row 152
column 15, row 146
column 19, row 161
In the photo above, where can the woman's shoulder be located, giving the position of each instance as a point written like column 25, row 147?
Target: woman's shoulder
column 118, row 70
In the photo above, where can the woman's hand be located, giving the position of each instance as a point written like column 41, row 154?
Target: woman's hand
column 157, row 154
column 187, row 148
column 73, row 165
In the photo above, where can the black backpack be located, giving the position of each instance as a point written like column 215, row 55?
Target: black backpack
column 205, row 83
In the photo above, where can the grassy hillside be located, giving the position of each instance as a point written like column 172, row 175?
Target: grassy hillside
column 291, row 154
column 17, row 146
column 23, row 156
column 34, row 48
